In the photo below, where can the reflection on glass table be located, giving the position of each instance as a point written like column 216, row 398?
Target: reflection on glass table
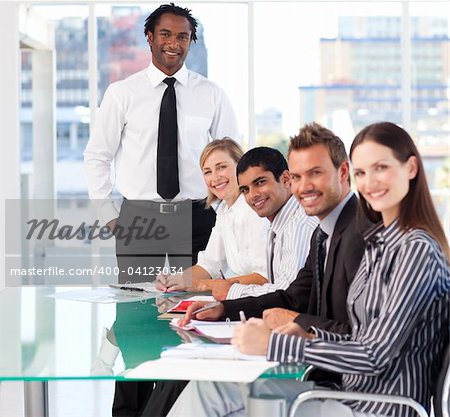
column 43, row 338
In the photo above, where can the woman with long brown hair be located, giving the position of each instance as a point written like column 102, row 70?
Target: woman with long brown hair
column 398, row 303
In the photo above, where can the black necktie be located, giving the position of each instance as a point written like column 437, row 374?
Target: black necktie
column 320, row 260
column 167, row 157
column 270, row 248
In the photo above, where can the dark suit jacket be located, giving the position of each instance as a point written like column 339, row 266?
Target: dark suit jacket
column 344, row 255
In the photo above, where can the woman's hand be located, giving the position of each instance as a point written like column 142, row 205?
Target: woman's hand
column 252, row 337
column 213, row 314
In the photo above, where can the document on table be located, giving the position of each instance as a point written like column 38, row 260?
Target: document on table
column 218, row 331
column 207, row 351
column 224, row 370
column 101, row 295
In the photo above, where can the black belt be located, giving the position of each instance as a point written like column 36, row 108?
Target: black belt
column 168, row 208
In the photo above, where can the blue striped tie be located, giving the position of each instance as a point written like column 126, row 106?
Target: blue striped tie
column 270, row 249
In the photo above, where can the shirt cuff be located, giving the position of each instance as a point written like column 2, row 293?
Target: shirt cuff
column 286, row 348
column 235, row 291
column 326, row 335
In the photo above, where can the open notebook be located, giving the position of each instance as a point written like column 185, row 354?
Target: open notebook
column 217, row 331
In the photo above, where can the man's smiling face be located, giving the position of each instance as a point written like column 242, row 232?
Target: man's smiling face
column 170, row 42
column 263, row 192
column 316, row 182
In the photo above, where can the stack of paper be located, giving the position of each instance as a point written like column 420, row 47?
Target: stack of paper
column 207, row 351
column 101, row 295
column 201, row 370
column 204, row 361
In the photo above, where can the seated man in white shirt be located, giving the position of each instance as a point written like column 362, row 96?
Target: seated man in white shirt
column 264, row 181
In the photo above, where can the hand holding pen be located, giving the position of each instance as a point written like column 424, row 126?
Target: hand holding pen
column 252, row 336
column 242, row 317
column 202, row 310
column 171, row 283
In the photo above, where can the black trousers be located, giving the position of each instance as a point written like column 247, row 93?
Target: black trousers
column 146, row 232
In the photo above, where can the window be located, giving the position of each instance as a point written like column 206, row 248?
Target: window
column 343, row 69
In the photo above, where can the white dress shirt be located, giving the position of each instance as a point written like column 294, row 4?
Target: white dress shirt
column 126, row 131
column 237, row 241
column 293, row 230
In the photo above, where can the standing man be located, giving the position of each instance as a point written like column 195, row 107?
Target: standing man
column 153, row 125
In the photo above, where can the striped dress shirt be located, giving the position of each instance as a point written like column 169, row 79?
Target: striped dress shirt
column 398, row 305
column 293, row 229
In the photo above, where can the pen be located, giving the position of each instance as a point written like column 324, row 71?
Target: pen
column 242, row 316
column 206, row 307
column 164, row 281
column 131, row 288
column 222, row 274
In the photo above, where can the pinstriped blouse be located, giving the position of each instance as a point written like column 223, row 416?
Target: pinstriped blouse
column 399, row 310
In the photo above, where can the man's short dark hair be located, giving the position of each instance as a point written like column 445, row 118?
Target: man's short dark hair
column 268, row 159
column 153, row 19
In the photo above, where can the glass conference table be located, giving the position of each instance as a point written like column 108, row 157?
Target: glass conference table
column 43, row 338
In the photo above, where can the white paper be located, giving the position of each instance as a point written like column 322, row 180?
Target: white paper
column 201, row 370
column 208, row 351
column 101, row 295
column 214, row 329
column 208, row 298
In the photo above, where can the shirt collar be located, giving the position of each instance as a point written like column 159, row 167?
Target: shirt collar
column 386, row 236
column 284, row 214
column 156, row 76
column 328, row 223
column 240, row 202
